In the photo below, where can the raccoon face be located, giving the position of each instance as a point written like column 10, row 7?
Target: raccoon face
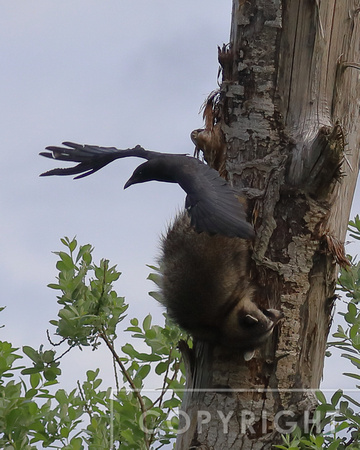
column 247, row 326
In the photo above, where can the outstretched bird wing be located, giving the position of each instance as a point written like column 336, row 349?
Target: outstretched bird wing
column 91, row 157
column 210, row 201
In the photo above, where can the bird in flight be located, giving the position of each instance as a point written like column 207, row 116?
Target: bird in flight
column 211, row 202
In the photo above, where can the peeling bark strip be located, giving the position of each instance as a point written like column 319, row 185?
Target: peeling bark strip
column 289, row 113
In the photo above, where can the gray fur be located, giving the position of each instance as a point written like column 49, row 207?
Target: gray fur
column 206, row 288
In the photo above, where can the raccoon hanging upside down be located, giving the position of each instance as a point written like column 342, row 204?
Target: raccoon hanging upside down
column 206, row 289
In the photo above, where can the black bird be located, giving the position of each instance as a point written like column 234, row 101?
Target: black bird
column 211, row 202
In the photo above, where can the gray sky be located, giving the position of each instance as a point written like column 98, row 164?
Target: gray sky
column 119, row 73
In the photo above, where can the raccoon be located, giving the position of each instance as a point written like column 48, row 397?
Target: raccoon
column 206, row 288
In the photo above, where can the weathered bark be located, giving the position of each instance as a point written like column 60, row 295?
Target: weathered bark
column 289, row 112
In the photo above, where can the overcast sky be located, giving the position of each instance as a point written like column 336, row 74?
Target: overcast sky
column 117, row 73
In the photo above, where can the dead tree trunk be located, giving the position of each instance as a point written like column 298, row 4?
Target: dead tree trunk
column 288, row 109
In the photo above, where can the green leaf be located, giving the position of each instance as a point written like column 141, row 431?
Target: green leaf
column 342, row 426
column 352, row 375
column 334, row 445
column 54, row 286
column 134, row 329
column 67, row 261
column 76, row 443
column 147, row 322
column 92, row 374
column 61, row 396
column 321, row 397
column 31, row 353
column 157, row 269
column 72, row 245
column 30, row 393
column 148, row 357
column 64, row 431
column 84, row 250
column 129, row 350
column 157, row 296
column 161, row 367
column 150, row 334
column 353, row 359
column 64, row 241
column 143, row 371
column 336, row 397
column 344, row 407
column 155, row 278
column 350, row 399
column 172, row 403
column 354, row 332
column 35, row 379
column 32, row 370
column 48, row 356
column 127, row 436
column 50, row 373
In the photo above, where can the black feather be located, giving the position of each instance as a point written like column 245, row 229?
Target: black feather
column 211, row 202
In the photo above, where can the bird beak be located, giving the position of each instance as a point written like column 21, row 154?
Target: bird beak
column 128, row 183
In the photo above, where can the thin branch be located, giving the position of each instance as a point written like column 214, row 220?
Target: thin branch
column 161, row 396
column 116, row 375
column 128, row 378
column 64, row 353
column 87, row 409
column 53, row 343
column 164, row 388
